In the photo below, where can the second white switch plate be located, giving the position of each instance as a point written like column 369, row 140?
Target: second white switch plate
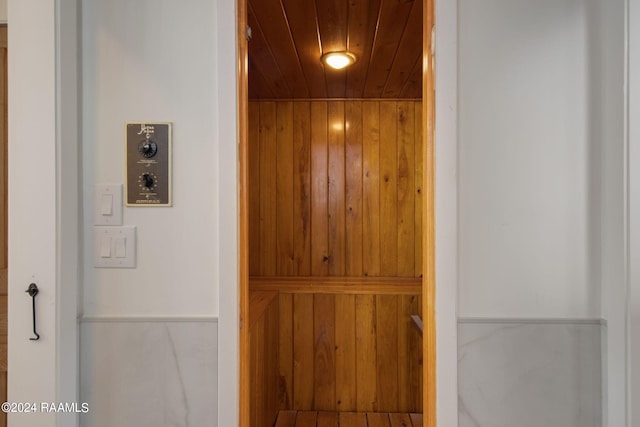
column 114, row 247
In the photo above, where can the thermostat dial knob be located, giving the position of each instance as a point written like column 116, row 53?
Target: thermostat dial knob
column 148, row 148
column 147, row 180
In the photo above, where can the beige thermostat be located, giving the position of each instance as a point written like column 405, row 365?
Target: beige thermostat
column 148, row 160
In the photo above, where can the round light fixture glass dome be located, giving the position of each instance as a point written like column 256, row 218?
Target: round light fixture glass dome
column 338, row 60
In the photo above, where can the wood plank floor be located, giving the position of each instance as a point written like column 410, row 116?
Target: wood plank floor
column 346, row 419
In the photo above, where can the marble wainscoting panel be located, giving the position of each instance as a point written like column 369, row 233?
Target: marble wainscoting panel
column 149, row 373
column 529, row 373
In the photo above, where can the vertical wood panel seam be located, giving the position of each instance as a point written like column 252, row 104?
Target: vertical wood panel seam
column 278, row 183
column 362, row 172
column 396, row 206
column 292, row 254
column 328, row 186
column 380, row 179
column 344, row 181
column 260, row 166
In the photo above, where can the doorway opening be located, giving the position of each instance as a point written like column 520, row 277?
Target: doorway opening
column 336, row 212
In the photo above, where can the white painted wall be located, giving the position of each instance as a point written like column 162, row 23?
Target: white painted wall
column 535, row 126
column 153, row 60
column 542, row 168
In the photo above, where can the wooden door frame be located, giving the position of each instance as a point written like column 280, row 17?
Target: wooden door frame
column 428, row 243
column 428, row 223
column 244, row 401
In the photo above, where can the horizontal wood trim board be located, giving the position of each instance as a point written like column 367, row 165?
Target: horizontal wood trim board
column 338, row 285
column 376, row 100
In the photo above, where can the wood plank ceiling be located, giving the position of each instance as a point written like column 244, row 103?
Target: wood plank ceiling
column 288, row 38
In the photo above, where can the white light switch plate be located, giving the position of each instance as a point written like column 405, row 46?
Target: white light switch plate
column 114, row 247
column 107, row 204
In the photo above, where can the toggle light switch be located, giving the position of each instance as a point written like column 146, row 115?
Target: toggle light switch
column 121, row 247
column 107, row 205
column 105, row 247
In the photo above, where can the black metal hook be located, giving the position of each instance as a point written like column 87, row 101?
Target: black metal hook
column 32, row 290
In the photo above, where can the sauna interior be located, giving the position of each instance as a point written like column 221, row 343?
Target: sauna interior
column 335, row 212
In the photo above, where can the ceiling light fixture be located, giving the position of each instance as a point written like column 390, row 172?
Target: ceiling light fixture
column 338, row 60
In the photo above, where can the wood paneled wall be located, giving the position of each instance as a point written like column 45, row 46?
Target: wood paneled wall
column 264, row 379
column 335, row 188
column 350, row 353
column 335, row 192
